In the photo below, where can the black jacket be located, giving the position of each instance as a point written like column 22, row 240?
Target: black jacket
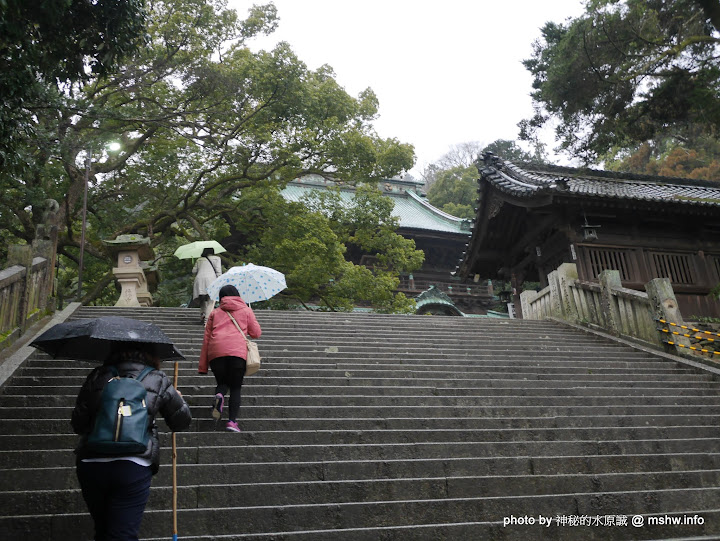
column 161, row 398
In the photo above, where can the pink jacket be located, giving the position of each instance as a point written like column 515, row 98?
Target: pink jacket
column 222, row 339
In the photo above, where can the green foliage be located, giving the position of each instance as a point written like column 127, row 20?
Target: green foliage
column 46, row 44
column 309, row 243
column 201, row 120
column 455, row 191
column 671, row 158
column 626, row 72
column 510, row 151
column 452, row 180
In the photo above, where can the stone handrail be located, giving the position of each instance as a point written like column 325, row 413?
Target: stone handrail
column 607, row 305
column 23, row 297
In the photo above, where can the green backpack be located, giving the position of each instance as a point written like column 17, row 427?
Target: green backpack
column 122, row 424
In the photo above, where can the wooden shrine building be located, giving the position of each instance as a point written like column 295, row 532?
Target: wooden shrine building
column 532, row 218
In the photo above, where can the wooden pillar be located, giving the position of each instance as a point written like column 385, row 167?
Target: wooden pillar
column 516, row 280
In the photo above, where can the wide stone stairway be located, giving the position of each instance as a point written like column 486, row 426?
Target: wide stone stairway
column 367, row 427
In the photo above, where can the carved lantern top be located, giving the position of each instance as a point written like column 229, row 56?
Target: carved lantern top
column 126, row 243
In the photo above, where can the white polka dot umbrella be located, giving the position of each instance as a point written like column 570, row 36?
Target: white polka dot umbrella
column 253, row 282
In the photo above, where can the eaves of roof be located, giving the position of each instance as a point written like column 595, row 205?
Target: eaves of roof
column 522, row 183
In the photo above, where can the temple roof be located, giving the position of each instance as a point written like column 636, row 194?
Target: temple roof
column 411, row 208
column 532, row 181
column 527, row 213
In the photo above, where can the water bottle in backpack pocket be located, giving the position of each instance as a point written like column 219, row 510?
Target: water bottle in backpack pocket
column 122, row 423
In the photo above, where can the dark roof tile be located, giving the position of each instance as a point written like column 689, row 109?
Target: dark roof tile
column 527, row 181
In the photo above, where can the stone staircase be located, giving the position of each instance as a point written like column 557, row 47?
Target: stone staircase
column 366, row 427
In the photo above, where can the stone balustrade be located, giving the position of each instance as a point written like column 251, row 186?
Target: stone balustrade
column 606, row 305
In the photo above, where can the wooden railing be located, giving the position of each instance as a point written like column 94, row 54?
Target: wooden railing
column 25, row 290
column 607, row 305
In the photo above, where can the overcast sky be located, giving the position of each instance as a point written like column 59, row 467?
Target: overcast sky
column 445, row 72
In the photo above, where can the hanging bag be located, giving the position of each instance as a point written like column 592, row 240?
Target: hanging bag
column 252, row 362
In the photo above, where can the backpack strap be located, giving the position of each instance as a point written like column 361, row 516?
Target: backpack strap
column 145, row 372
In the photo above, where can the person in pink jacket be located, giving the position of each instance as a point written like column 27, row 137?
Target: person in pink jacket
column 225, row 350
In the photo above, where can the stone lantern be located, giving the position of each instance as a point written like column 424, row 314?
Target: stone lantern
column 131, row 251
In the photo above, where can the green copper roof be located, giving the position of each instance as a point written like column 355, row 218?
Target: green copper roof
column 411, row 208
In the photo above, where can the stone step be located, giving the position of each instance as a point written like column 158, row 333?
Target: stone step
column 207, row 389
column 586, row 359
column 369, row 399
column 421, row 411
column 529, row 381
column 12, row 442
column 592, row 528
column 39, row 478
column 306, row 517
column 216, row 495
column 349, row 372
column 203, row 423
column 448, row 363
column 341, row 346
column 371, row 451
column 550, row 337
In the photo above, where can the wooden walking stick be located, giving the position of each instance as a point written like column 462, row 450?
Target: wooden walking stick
column 174, row 468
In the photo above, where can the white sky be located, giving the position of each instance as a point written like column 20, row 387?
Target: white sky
column 445, row 72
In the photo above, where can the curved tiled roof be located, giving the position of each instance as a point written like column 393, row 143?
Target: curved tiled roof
column 528, row 181
column 412, row 210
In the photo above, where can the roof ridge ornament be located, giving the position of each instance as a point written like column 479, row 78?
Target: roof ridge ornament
column 561, row 183
column 491, row 160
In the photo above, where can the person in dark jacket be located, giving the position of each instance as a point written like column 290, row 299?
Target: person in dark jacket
column 225, row 350
column 116, row 488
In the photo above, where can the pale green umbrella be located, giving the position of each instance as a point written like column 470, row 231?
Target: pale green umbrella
column 195, row 249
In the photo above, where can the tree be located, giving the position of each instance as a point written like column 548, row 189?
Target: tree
column 311, row 241
column 669, row 158
column 459, row 155
column 454, row 176
column 510, row 151
column 44, row 45
column 627, row 72
column 200, row 119
column 455, row 191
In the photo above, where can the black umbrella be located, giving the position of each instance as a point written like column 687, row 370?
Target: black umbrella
column 96, row 339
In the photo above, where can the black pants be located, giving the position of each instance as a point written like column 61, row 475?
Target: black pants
column 116, row 494
column 229, row 373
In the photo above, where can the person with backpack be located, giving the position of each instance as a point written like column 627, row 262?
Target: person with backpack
column 224, row 350
column 206, row 269
column 119, row 451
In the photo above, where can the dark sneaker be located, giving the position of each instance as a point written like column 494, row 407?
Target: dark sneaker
column 232, row 426
column 218, row 406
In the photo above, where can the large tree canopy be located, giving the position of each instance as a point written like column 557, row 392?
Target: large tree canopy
column 626, row 72
column 50, row 43
column 200, row 118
